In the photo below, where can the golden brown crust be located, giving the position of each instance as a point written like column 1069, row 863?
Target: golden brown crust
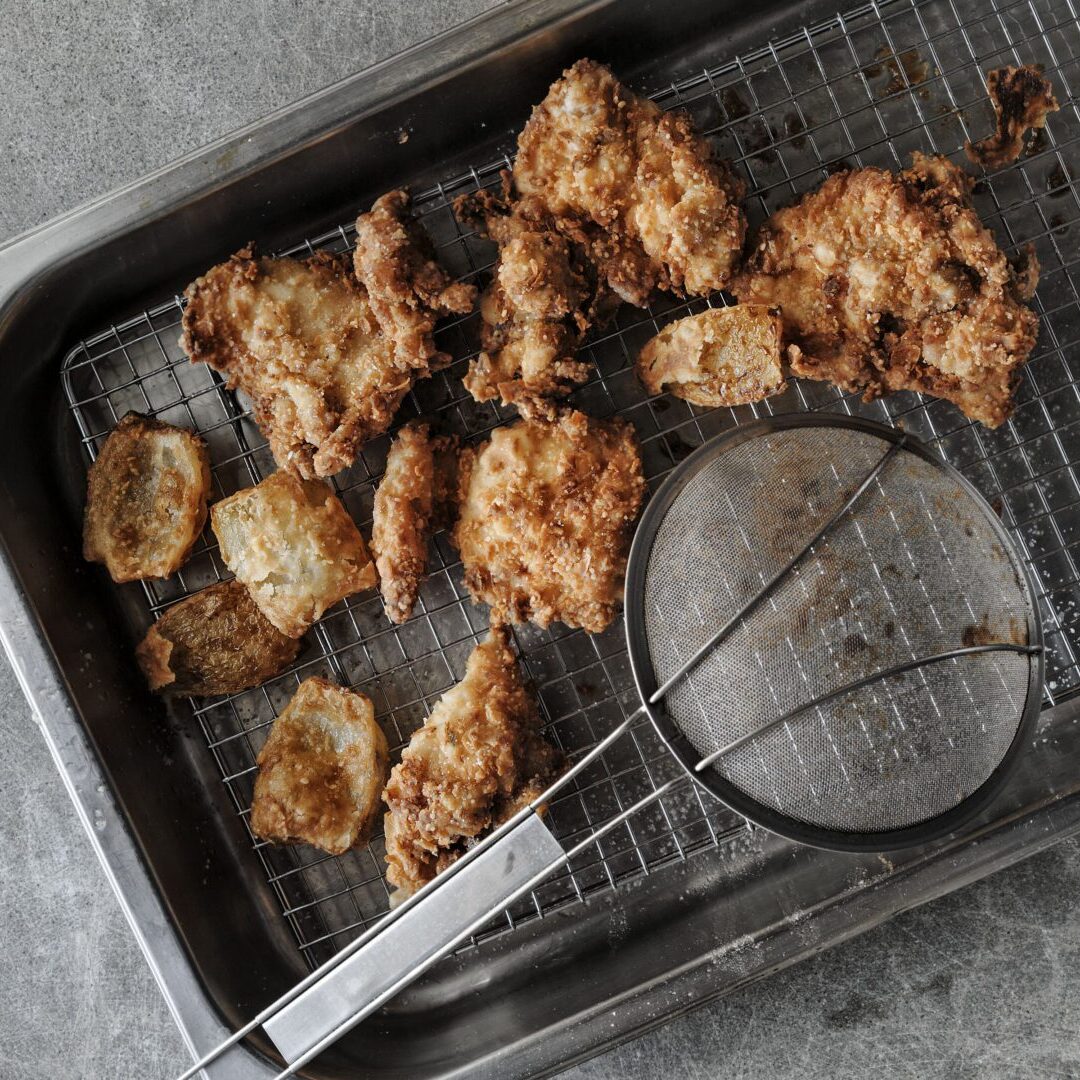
column 321, row 771
column 719, row 357
column 546, row 510
column 407, row 289
column 299, row 338
column 410, row 504
column 293, row 544
column 478, row 758
column 635, row 184
column 1022, row 98
column 214, row 642
column 145, row 499
column 890, row 282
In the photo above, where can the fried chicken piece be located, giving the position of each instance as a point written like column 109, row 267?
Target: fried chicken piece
column 478, row 759
column 723, row 356
column 214, row 642
column 635, row 184
column 543, row 299
column 414, row 499
column 407, row 289
column 1022, row 97
column 145, row 499
column 321, row 771
column 546, row 510
column 298, row 336
column 890, row 282
column 293, row 544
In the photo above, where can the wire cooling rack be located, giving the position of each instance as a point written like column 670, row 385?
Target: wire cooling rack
column 864, row 88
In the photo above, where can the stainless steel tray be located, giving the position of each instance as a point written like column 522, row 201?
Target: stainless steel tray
column 686, row 903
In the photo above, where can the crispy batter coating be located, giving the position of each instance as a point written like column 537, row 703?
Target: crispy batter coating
column 215, row 642
column 477, row 760
column 723, row 356
column 890, row 282
column 545, row 518
column 293, row 544
column 544, row 297
column 321, row 771
column 1022, row 97
column 411, row 503
column 299, row 338
column 634, row 183
column 407, row 289
column 145, row 499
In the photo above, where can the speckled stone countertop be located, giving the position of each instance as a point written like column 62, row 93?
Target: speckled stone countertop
column 980, row 984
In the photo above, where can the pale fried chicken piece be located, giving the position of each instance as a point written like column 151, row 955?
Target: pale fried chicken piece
column 546, row 510
column 298, row 336
column 214, row 642
column 723, row 356
column 321, row 771
column 478, row 759
column 634, row 183
column 293, row 544
column 407, row 289
column 1022, row 97
column 413, row 500
column 890, row 282
column 544, row 297
column 145, row 499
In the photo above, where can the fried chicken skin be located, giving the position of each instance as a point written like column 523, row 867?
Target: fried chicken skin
column 293, row 544
column 145, row 499
column 478, row 759
column 890, row 282
column 413, row 500
column 407, row 289
column 299, row 337
column 214, row 642
column 321, row 771
column 543, row 298
column 720, row 357
column 1022, row 98
column 637, row 185
column 546, row 510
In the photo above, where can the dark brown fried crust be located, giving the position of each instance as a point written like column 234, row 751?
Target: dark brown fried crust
column 145, row 499
column 1022, row 98
column 408, row 290
column 478, row 758
column 636, row 186
column 890, row 282
column 544, row 297
column 214, row 642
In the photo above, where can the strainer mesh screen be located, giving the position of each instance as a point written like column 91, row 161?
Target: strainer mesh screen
column 915, row 569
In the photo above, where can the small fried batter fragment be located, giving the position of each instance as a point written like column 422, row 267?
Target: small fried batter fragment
column 407, row 289
column 293, row 544
column 723, row 356
column 545, row 518
column 544, row 297
column 145, row 499
column 413, row 500
column 890, row 282
column 321, row 771
column 215, row 642
column 637, row 185
column 299, row 338
column 478, row 759
column 1022, row 98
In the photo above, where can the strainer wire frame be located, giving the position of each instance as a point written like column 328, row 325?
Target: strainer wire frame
column 932, row 828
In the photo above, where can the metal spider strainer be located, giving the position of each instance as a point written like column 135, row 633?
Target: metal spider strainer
column 832, row 632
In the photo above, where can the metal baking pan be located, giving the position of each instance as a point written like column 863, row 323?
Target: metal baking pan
column 688, row 903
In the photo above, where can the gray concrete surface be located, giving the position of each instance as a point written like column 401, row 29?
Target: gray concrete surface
column 980, row 984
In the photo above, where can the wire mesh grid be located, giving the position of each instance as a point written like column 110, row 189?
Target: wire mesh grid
column 864, row 88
